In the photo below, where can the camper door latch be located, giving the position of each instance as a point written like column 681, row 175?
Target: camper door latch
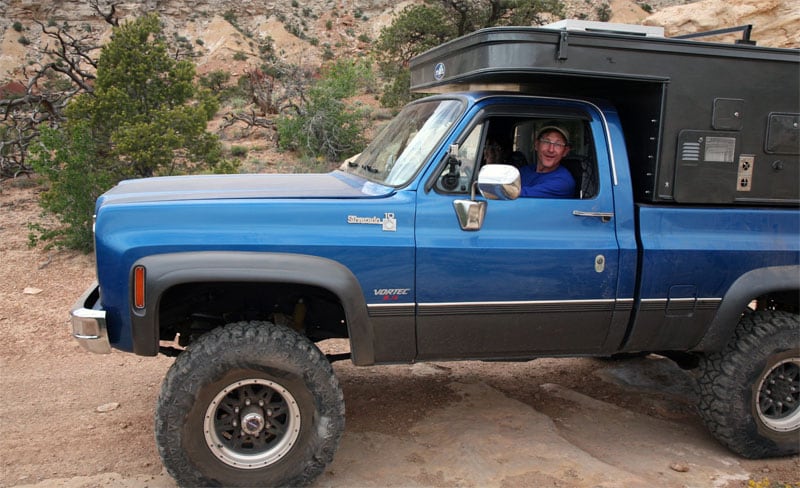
column 563, row 43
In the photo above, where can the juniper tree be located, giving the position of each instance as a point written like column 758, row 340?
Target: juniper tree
column 145, row 117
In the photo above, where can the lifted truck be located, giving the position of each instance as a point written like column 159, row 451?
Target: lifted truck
column 682, row 238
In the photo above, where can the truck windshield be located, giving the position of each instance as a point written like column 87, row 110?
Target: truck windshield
column 403, row 146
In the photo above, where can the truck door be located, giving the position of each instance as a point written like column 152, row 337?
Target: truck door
column 540, row 275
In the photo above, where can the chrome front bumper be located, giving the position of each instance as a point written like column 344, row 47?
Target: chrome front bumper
column 89, row 322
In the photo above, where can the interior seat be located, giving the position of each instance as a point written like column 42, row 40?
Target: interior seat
column 584, row 173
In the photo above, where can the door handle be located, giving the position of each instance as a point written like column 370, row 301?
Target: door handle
column 604, row 217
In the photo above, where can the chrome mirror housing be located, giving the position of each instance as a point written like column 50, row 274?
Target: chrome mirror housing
column 495, row 182
column 499, row 182
column 470, row 213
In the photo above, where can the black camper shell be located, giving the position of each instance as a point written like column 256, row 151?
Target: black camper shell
column 705, row 123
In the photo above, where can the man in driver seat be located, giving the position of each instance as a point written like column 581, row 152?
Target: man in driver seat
column 547, row 178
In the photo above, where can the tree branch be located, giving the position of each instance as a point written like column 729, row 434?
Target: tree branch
column 110, row 16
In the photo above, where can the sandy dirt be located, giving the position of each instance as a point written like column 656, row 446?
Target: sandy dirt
column 74, row 419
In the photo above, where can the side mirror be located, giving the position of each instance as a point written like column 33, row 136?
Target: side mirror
column 470, row 213
column 495, row 182
column 499, row 182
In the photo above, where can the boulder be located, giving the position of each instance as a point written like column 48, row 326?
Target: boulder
column 776, row 23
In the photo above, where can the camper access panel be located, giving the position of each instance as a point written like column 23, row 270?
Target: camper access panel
column 705, row 123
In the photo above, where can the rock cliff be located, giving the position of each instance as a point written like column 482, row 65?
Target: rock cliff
column 342, row 27
column 776, row 23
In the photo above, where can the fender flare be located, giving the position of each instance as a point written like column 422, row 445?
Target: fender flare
column 164, row 271
column 747, row 287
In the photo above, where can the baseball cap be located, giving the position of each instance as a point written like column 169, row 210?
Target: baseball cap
column 550, row 128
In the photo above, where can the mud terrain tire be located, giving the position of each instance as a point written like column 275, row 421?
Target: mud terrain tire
column 749, row 393
column 249, row 404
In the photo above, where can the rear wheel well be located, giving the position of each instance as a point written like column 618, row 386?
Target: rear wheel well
column 786, row 301
column 776, row 301
column 187, row 311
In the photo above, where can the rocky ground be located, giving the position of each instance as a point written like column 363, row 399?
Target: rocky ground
column 73, row 419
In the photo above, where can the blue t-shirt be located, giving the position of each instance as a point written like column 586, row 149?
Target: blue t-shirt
column 558, row 183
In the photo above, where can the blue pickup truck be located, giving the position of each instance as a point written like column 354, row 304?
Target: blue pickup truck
column 680, row 237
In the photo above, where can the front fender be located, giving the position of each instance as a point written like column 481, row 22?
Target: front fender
column 164, row 271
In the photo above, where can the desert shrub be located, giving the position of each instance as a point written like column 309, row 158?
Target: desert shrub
column 75, row 178
column 327, row 126
column 215, row 79
column 238, row 151
column 145, row 117
column 604, row 12
column 230, row 17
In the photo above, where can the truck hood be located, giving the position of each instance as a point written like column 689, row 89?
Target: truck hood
column 207, row 187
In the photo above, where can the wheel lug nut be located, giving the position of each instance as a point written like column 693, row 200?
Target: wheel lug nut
column 234, row 423
column 247, row 401
column 261, row 403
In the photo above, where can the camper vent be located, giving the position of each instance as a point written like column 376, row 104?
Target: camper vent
column 690, row 151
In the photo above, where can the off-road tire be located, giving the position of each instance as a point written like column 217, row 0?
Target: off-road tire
column 736, row 400
column 234, row 363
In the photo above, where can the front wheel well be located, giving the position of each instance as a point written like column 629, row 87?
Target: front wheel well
column 188, row 310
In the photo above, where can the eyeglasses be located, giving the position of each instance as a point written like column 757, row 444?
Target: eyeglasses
column 555, row 144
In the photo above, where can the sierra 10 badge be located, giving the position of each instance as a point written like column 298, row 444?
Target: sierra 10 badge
column 388, row 223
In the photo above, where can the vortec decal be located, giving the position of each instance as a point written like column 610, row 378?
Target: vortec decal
column 390, row 293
